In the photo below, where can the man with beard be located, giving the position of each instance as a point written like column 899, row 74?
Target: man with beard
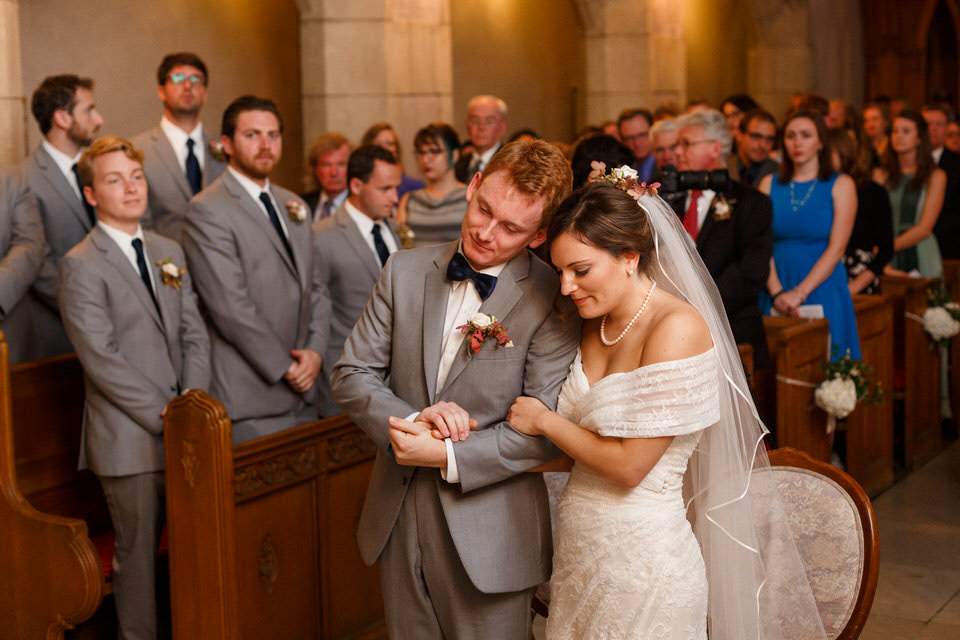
column 249, row 245
column 68, row 118
column 177, row 155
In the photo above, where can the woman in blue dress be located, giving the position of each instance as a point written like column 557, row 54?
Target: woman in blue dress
column 813, row 214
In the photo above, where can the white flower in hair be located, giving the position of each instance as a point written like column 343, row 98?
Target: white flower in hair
column 625, row 172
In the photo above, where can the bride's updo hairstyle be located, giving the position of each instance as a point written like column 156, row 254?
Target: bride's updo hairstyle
column 605, row 217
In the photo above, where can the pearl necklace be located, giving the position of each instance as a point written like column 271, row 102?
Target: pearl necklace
column 798, row 204
column 603, row 323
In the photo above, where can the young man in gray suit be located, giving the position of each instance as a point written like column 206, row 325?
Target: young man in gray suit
column 461, row 532
column 351, row 247
column 250, row 246
column 21, row 256
column 177, row 155
column 129, row 309
column 68, row 118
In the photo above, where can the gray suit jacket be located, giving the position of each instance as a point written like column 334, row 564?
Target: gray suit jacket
column 349, row 270
column 497, row 515
column 169, row 190
column 134, row 361
column 21, row 255
column 258, row 304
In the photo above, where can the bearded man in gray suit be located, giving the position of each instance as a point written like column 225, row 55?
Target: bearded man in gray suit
column 250, row 246
column 129, row 309
column 461, row 532
column 177, row 153
column 68, row 119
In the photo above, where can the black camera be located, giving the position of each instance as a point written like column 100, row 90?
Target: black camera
column 674, row 183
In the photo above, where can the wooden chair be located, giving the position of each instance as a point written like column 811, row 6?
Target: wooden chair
column 836, row 533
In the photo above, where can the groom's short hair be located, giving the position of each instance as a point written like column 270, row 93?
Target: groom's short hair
column 536, row 168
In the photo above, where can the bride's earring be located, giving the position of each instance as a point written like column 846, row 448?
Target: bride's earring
column 629, row 272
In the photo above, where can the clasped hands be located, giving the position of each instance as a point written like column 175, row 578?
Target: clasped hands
column 303, row 370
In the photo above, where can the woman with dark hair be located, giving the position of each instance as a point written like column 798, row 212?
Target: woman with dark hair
column 597, row 148
column 870, row 247
column 813, row 214
column 435, row 213
column 656, row 407
column 383, row 135
column 916, row 187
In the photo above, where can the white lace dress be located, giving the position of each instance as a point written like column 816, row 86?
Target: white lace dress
column 626, row 563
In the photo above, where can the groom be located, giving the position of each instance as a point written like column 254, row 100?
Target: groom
column 461, row 532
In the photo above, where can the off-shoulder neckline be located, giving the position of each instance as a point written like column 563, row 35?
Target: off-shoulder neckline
column 578, row 363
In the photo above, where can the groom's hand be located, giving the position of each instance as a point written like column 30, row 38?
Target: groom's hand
column 449, row 419
column 414, row 446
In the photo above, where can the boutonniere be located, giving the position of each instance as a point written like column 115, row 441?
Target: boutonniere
column 170, row 274
column 722, row 208
column 216, row 151
column 296, row 211
column 481, row 327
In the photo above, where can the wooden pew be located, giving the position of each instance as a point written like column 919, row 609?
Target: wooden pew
column 870, row 426
column 951, row 278
column 798, row 347
column 262, row 534
column 917, row 369
column 52, row 574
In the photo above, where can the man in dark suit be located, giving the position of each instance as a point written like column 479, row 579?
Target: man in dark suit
column 250, row 246
column 634, row 126
column 351, row 247
column 177, row 154
column 436, row 512
column 486, row 128
column 328, row 161
column 947, row 228
column 732, row 230
column 68, row 118
column 752, row 161
column 21, row 255
column 129, row 309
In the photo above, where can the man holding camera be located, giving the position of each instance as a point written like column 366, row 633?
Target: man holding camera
column 731, row 227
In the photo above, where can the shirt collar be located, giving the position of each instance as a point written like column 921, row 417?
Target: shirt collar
column 178, row 137
column 486, row 156
column 122, row 238
column 363, row 221
column 495, row 270
column 62, row 160
column 249, row 185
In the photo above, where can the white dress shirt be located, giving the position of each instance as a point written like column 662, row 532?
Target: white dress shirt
column 125, row 241
column 255, row 190
column 487, row 156
column 178, row 140
column 65, row 164
column 365, row 224
column 936, row 153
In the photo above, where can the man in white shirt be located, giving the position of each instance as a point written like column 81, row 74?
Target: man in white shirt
column 68, row 119
column 351, row 246
column 328, row 161
column 129, row 309
column 178, row 157
column 486, row 127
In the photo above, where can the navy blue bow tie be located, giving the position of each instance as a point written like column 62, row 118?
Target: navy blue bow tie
column 459, row 270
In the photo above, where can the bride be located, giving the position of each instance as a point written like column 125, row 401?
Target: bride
column 656, row 416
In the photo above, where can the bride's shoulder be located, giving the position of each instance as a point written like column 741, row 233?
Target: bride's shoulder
column 677, row 331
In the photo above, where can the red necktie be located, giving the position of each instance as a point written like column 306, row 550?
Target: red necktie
column 690, row 219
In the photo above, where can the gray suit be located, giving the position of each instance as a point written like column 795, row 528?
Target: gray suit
column 497, row 517
column 259, row 304
column 349, row 268
column 21, row 255
column 169, row 190
column 65, row 223
column 134, row 362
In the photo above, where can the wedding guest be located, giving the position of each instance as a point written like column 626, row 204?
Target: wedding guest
column 952, row 140
column 664, row 136
column 383, row 135
column 634, row 125
column 600, row 148
column 486, row 126
column 328, row 159
column 876, row 126
column 733, row 108
column 947, row 228
column 752, row 161
column 435, row 213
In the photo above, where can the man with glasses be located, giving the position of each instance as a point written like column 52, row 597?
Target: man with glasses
column 634, row 126
column 177, row 154
column 752, row 161
column 732, row 230
column 486, row 127
column 664, row 135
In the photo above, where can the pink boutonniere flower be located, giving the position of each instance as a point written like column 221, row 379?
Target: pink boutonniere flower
column 481, row 327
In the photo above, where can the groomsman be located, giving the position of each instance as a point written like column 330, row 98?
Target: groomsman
column 351, row 247
column 250, row 246
column 129, row 309
column 177, row 155
column 68, row 118
column 21, row 256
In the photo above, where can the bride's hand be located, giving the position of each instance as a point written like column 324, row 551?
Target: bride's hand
column 525, row 414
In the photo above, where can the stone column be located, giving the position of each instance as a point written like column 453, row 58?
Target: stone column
column 367, row 61
column 779, row 62
column 635, row 55
column 12, row 103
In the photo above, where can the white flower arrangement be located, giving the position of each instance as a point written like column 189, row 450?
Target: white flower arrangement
column 837, row 396
column 940, row 321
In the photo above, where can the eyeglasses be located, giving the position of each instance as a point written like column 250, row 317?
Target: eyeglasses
column 758, row 137
column 180, row 78
column 686, row 144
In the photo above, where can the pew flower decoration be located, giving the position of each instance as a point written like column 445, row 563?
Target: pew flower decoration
column 481, row 327
column 623, row 178
column 170, row 274
column 847, row 383
column 217, row 152
column 296, row 211
column 941, row 320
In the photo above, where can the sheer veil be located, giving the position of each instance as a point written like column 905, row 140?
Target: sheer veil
column 758, row 587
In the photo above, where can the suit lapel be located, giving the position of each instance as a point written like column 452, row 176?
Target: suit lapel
column 113, row 255
column 168, row 157
column 56, row 179
column 436, row 290
column 166, row 297
column 301, row 243
column 259, row 218
column 359, row 244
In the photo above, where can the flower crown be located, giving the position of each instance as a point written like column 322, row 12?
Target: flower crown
column 623, row 178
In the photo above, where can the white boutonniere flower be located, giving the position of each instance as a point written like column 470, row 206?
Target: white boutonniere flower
column 296, row 211
column 721, row 209
column 170, row 274
column 482, row 326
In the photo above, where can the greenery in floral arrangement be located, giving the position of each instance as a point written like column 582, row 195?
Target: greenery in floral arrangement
column 846, row 368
